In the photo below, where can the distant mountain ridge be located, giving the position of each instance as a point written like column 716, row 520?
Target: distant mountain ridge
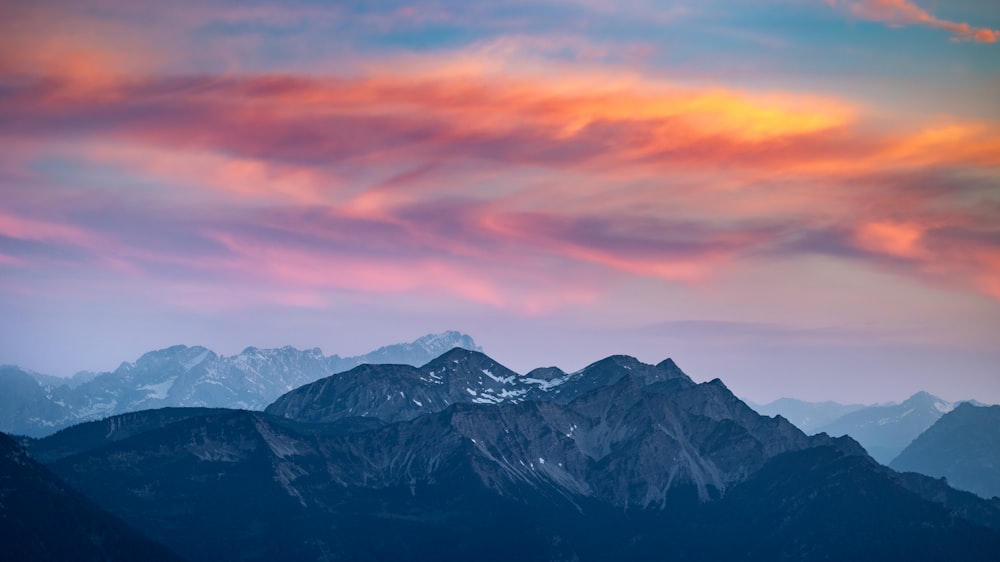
column 807, row 416
column 884, row 430
column 963, row 447
column 620, row 460
column 31, row 404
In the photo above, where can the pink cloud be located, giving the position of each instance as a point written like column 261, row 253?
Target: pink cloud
column 284, row 266
column 904, row 12
column 894, row 239
column 207, row 173
column 11, row 261
column 22, row 228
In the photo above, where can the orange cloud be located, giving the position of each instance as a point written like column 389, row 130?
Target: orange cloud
column 378, row 119
column 973, row 143
column 381, row 121
column 896, row 239
column 988, row 277
column 76, row 42
column 904, row 12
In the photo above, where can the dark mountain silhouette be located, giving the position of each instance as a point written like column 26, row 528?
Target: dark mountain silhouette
column 41, row 518
column 821, row 504
column 963, row 447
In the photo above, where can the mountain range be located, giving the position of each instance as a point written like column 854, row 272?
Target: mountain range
column 807, row 416
column 37, row 405
column 463, row 459
column 884, row 430
column 963, row 447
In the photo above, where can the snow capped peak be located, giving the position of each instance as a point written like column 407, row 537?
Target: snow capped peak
column 943, row 407
column 922, row 396
column 439, row 343
column 620, row 360
column 186, row 356
column 926, row 401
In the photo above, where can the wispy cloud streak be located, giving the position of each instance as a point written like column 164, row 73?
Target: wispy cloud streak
column 904, row 12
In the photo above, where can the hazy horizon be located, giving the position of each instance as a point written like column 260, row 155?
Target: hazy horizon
column 701, row 366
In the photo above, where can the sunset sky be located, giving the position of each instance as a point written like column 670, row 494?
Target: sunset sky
column 801, row 197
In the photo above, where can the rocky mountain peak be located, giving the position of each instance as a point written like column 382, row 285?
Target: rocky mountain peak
column 668, row 364
column 921, row 398
column 437, row 343
column 615, row 361
column 545, row 373
column 180, row 356
column 460, row 355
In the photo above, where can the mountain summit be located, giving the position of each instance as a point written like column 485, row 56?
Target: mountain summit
column 393, row 393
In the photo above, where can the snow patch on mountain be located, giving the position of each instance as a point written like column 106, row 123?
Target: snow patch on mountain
column 944, row 407
column 545, row 384
column 195, row 361
column 159, row 391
